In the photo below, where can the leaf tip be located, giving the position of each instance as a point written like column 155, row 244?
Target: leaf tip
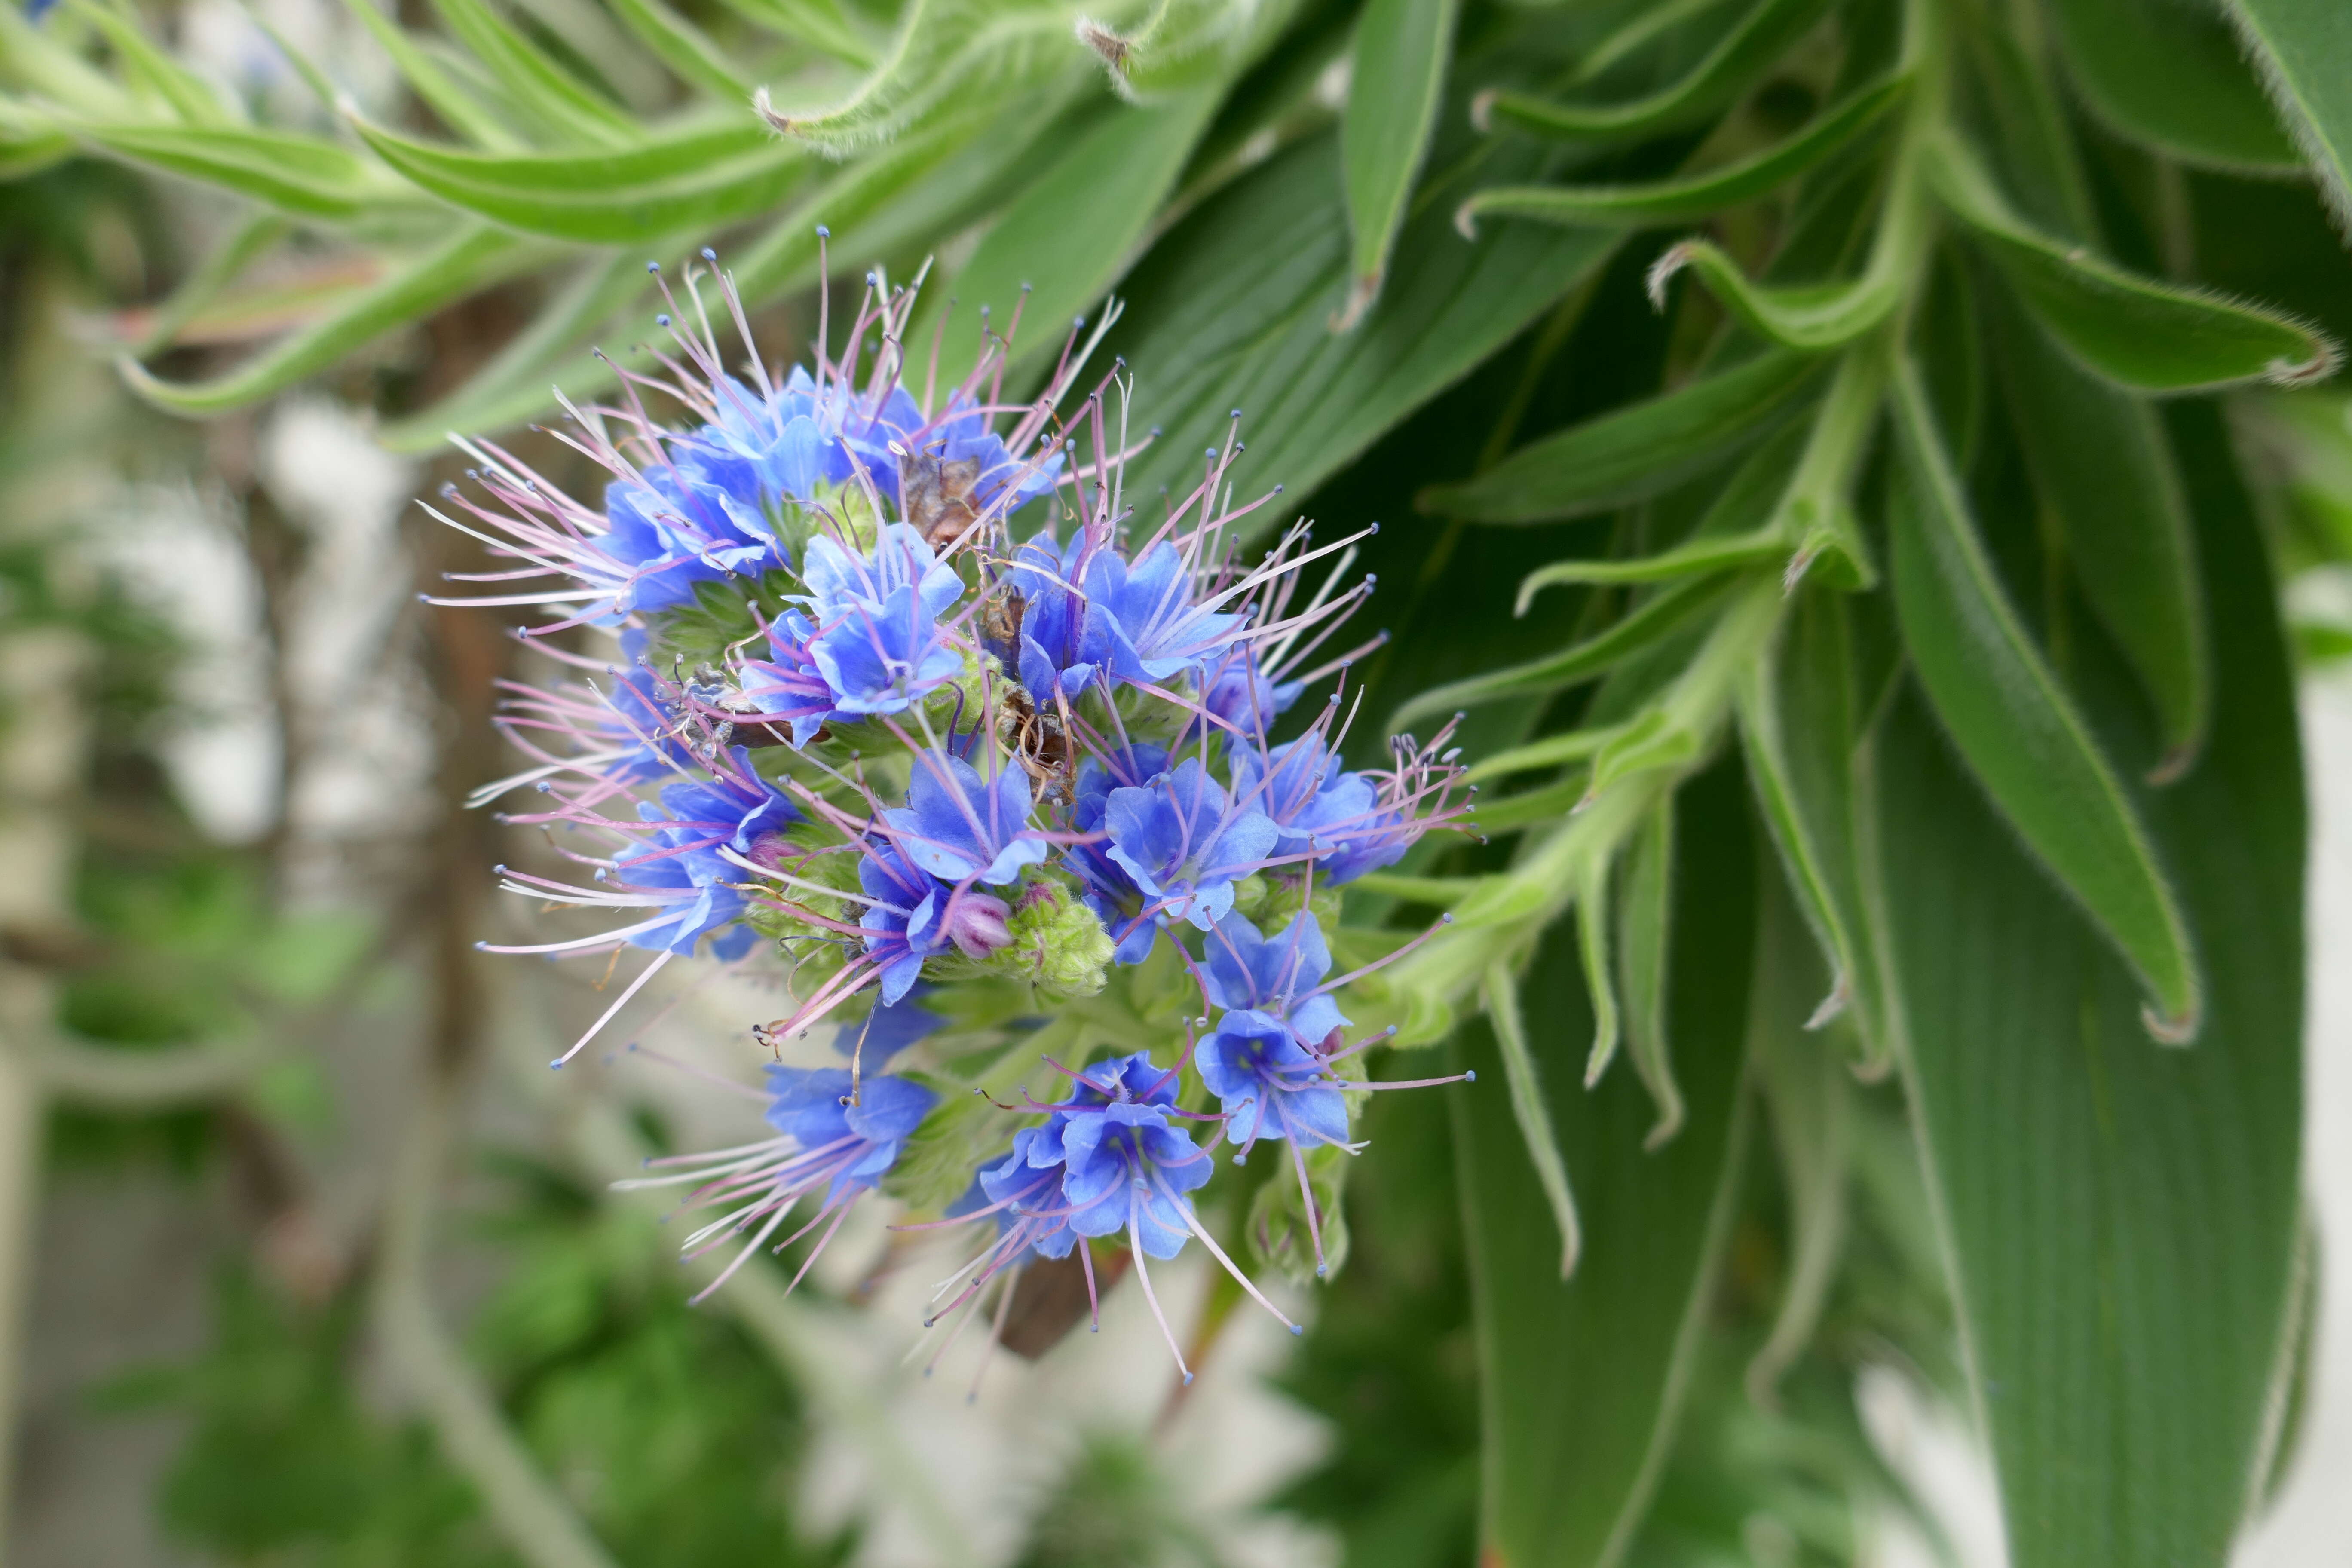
column 1361, row 294
column 1465, row 219
column 2174, row 765
column 2178, row 1029
column 2325, row 359
column 1662, row 271
column 1482, row 110
column 1832, row 1007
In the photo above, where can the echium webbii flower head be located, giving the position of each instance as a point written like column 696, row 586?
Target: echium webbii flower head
column 934, row 773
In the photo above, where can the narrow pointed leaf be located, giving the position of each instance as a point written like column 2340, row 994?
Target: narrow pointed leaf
column 1524, row 1081
column 1593, row 915
column 1232, row 309
column 299, row 174
column 691, row 182
column 2105, row 472
column 1067, row 235
column 1584, row 1378
column 474, row 259
column 2018, row 731
column 1811, row 318
column 2138, row 332
column 541, row 86
column 945, row 51
column 1700, row 555
column 1394, row 89
column 684, row 48
column 1642, row 626
column 1644, row 945
column 1751, row 48
column 820, row 23
column 1798, row 728
column 190, row 97
column 2303, row 50
column 458, row 108
column 2173, row 78
column 2121, row 1222
column 1636, row 452
column 1693, row 197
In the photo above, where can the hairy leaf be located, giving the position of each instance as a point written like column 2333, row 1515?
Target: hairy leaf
column 2020, row 734
column 1749, row 49
column 2172, row 76
column 2304, row 50
column 1402, row 48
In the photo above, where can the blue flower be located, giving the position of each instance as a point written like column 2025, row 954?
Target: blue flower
column 1030, row 1191
column 680, row 868
column 790, row 687
column 673, row 528
column 1065, row 640
column 837, row 578
column 1269, row 1084
column 1237, row 692
column 1379, row 839
column 1275, row 975
column 858, row 1143
column 1301, row 785
column 770, row 446
column 1125, row 1164
column 1185, row 842
column 961, row 827
column 903, row 926
column 735, row 804
column 1104, row 885
column 1154, row 628
column 879, row 658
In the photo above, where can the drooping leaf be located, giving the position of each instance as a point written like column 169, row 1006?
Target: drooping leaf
column 297, row 174
column 2304, row 50
column 2105, row 473
column 195, row 101
column 1066, row 238
column 474, row 259
column 1232, row 309
column 1693, row 196
column 534, row 80
column 684, row 48
column 2022, row 735
column 945, row 51
column 1583, row 1377
column 1724, row 553
column 1523, row 1080
column 688, row 181
column 2122, row 1221
column 822, row 25
column 1750, row 48
column 1644, row 949
column 1799, row 727
column 2172, row 76
column 2135, row 332
column 457, row 108
column 1637, row 452
column 1594, row 911
column 1397, row 82
column 1652, row 619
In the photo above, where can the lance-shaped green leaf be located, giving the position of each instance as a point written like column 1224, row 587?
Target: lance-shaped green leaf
column 1233, row 308
column 38, row 64
column 1689, row 197
column 823, row 25
column 2103, row 472
column 1635, row 452
column 1692, row 559
column 684, row 48
column 1808, row 1101
column 691, row 181
column 299, row 174
column 190, row 96
column 1644, row 944
column 1798, row 728
column 458, row 108
column 1066, row 237
column 473, row 259
column 1580, row 661
column 1750, row 49
column 1397, row 81
column 514, row 386
column 945, row 51
column 2122, row 1223
column 2135, row 332
column 2301, row 47
column 2018, row 731
column 229, row 259
column 539, row 86
column 1524, row 1081
column 2172, row 76
column 1592, row 910
column 1584, row 1378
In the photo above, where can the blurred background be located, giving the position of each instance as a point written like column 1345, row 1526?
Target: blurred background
column 306, row 1258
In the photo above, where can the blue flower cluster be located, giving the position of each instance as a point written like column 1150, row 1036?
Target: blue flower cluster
column 940, row 750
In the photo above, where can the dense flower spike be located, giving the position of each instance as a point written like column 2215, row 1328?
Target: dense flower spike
column 941, row 770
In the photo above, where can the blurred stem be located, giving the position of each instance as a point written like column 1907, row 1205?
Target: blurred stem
column 536, row 1522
